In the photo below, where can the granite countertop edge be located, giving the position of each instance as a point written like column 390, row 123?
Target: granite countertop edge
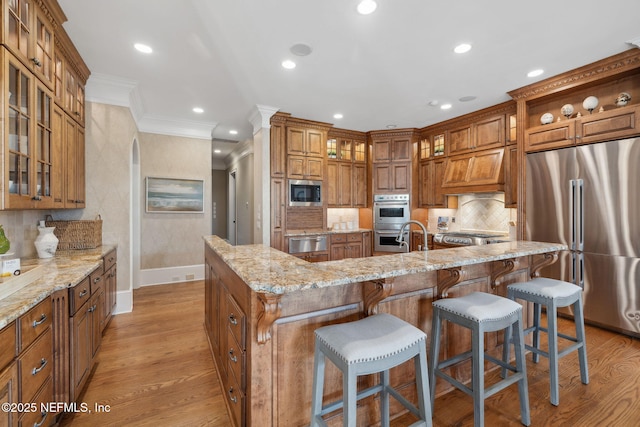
column 268, row 270
column 64, row 270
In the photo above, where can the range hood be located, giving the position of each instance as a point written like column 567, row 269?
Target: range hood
column 477, row 172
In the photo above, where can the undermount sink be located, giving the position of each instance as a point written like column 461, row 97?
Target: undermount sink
column 12, row 284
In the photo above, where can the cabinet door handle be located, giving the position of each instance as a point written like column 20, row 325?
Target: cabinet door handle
column 232, row 319
column 92, row 308
column 232, row 356
column 97, row 279
column 233, row 398
column 36, row 61
column 43, row 318
column 83, row 293
column 43, row 363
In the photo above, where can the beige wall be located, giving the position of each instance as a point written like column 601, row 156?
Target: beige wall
column 110, row 131
column 174, row 239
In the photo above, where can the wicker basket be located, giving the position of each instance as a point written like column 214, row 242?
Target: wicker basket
column 78, row 234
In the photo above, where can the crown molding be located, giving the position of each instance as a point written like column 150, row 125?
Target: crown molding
column 106, row 89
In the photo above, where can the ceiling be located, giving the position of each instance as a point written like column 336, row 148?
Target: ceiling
column 378, row 70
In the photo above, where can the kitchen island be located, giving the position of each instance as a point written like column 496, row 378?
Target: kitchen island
column 262, row 307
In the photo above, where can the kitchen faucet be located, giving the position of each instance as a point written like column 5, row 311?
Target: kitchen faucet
column 403, row 243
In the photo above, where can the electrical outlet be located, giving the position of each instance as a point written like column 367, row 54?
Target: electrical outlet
column 190, row 276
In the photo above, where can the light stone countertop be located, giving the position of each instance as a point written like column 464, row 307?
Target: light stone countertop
column 66, row 269
column 265, row 269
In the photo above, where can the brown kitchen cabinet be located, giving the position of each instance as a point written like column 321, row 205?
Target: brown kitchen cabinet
column 86, row 318
column 479, row 135
column 346, row 169
column 28, row 32
column 391, row 147
column 110, row 281
column 596, row 127
column 300, row 167
column 348, row 245
column 227, row 331
column 339, row 184
column 392, row 177
column 28, row 141
column 417, row 240
column 305, row 141
column 430, row 183
column 43, row 76
column 278, row 151
column 511, row 177
column 9, row 392
column 35, row 360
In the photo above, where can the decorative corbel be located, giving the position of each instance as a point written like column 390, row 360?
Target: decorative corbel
column 382, row 290
column 508, row 265
column 270, row 312
column 456, row 275
column 546, row 259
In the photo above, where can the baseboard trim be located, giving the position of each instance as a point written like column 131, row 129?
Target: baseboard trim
column 162, row 276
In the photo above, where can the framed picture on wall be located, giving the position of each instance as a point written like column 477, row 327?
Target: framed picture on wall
column 170, row 195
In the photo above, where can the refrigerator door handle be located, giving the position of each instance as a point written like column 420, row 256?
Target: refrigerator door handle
column 573, row 276
column 580, row 281
column 573, row 226
column 580, row 214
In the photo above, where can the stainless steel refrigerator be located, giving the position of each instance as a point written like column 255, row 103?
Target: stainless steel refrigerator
column 588, row 197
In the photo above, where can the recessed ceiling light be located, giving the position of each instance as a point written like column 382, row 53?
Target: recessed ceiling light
column 288, row 64
column 467, row 98
column 233, row 132
column 365, row 7
column 217, row 151
column 535, row 73
column 462, row 48
column 143, row 48
column 445, row 106
column 392, row 126
column 300, row 49
column 433, row 103
column 198, row 110
column 337, row 116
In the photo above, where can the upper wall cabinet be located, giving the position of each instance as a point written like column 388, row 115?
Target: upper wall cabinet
column 42, row 88
column 480, row 135
column 28, row 32
column 568, row 121
column 346, row 169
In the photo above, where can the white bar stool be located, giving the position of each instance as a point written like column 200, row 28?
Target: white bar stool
column 374, row 344
column 481, row 312
column 553, row 294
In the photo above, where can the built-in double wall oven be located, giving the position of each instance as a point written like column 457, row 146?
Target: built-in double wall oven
column 390, row 211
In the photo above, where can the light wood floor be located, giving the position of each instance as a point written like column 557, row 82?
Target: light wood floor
column 155, row 368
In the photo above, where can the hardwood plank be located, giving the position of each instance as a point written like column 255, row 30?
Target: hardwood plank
column 155, row 367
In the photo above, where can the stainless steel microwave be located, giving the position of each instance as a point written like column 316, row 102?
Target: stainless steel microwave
column 305, row 193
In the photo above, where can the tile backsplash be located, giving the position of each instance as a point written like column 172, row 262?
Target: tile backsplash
column 476, row 212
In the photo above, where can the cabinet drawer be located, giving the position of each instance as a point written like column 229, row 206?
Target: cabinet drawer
column 354, row 237
column 236, row 399
column 79, row 294
column 338, row 238
column 7, row 345
column 235, row 360
column 236, row 321
column 34, row 366
column 110, row 259
column 38, row 418
column 95, row 280
column 34, row 322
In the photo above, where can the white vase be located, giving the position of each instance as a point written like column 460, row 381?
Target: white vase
column 46, row 243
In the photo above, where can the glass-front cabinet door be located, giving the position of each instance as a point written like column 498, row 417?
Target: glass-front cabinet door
column 27, row 138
